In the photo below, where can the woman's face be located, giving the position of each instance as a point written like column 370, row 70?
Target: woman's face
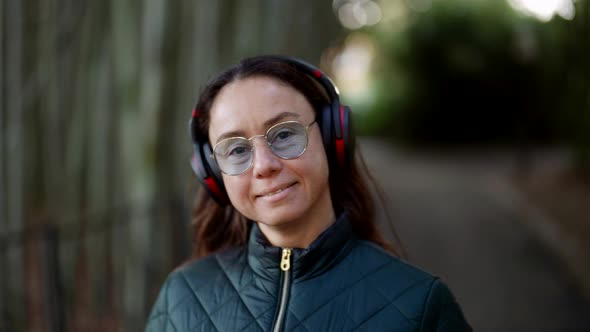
column 273, row 191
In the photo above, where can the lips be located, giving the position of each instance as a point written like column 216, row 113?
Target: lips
column 275, row 190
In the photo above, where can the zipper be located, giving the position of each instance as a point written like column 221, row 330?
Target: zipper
column 284, row 295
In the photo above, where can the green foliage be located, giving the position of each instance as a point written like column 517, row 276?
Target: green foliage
column 477, row 71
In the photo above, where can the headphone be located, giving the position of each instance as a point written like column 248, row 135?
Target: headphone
column 335, row 125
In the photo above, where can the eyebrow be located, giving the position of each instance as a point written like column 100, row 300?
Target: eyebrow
column 275, row 119
column 280, row 117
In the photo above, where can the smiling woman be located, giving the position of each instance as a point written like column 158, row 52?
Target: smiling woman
column 289, row 198
column 285, row 235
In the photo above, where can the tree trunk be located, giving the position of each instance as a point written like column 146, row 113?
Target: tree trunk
column 14, row 165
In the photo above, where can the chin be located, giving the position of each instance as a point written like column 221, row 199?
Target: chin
column 280, row 216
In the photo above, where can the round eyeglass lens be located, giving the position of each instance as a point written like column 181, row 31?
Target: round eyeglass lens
column 287, row 140
column 233, row 155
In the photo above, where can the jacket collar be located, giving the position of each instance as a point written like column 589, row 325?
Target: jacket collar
column 328, row 249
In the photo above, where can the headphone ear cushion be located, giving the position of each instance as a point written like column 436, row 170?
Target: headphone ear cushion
column 347, row 134
column 197, row 164
column 208, row 173
column 342, row 136
column 213, row 167
column 325, row 121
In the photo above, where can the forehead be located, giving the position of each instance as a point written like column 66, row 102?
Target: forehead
column 246, row 106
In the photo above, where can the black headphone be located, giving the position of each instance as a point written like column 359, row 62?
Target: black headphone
column 335, row 125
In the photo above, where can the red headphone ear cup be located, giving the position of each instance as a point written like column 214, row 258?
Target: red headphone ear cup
column 197, row 164
column 208, row 173
column 338, row 115
column 347, row 135
column 325, row 122
column 212, row 165
column 336, row 134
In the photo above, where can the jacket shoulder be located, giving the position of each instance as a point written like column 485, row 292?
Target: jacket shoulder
column 442, row 313
column 379, row 262
column 187, row 294
column 422, row 298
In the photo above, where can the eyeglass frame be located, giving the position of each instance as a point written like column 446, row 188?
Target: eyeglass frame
column 269, row 145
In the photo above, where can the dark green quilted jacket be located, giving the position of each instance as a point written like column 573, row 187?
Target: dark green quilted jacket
column 340, row 283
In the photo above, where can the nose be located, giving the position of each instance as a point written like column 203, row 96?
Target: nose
column 265, row 162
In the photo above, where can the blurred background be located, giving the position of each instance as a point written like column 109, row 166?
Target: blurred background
column 474, row 117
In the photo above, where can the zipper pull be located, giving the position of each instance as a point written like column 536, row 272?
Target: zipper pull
column 286, row 259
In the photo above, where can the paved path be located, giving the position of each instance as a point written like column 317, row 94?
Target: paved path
column 460, row 219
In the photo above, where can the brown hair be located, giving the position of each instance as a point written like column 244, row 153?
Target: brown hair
column 216, row 227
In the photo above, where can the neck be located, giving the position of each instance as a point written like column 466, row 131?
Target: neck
column 301, row 233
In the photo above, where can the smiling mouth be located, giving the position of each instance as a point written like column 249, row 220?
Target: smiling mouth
column 276, row 191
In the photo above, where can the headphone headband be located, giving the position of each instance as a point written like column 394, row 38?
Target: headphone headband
column 325, row 81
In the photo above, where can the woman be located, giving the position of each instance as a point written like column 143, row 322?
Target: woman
column 285, row 236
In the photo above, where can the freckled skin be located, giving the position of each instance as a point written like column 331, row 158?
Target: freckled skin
column 295, row 217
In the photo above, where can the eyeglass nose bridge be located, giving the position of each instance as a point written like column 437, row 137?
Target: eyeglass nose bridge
column 252, row 148
column 268, row 145
column 256, row 136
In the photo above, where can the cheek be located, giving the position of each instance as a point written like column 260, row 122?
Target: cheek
column 237, row 189
column 319, row 153
column 316, row 164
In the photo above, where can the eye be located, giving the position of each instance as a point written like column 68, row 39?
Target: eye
column 233, row 148
column 237, row 151
column 284, row 134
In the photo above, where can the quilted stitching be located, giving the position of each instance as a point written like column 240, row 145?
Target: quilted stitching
column 171, row 323
column 240, row 297
column 368, row 290
column 409, row 288
column 365, row 284
column 343, row 293
column 442, row 311
column 299, row 322
column 389, row 302
column 199, row 302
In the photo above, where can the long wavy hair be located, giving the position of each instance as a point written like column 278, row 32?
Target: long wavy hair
column 217, row 227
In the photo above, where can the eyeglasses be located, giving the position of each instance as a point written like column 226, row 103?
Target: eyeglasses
column 286, row 140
